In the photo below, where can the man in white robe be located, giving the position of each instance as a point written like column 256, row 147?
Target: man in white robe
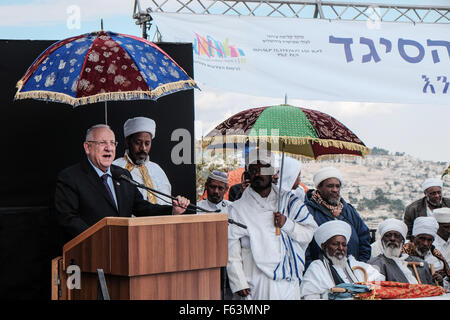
column 261, row 264
column 334, row 267
column 442, row 239
column 216, row 186
column 139, row 133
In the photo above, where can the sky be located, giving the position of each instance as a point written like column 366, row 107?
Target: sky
column 419, row 130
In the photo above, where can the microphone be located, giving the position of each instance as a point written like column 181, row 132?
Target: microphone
column 124, row 177
column 137, row 184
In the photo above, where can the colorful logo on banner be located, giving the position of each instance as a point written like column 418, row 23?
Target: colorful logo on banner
column 207, row 46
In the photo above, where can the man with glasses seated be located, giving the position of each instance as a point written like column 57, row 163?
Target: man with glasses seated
column 91, row 190
column 139, row 133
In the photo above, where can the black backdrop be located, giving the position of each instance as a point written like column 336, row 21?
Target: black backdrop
column 38, row 139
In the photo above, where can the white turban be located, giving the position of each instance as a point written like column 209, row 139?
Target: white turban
column 261, row 155
column 219, row 176
column 291, row 170
column 393, row 225
column 432, row 182
column 139, row 124
column 442, row 215
column 330, row 229
column 325, row 173
column 425, row 225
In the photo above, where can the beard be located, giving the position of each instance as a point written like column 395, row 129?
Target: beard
column 332, row 201
column 435, row 204
column 422, row 253
column 338, row 260
column 391, row 250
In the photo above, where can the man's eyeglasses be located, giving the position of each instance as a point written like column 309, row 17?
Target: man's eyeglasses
column 105, row 143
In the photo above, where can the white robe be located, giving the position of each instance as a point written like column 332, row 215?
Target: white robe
column 317, row 280
column 160, row 181
column 269, row 265
column 443, row 246
column 206, row 204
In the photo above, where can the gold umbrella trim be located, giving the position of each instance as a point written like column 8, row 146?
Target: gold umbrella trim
column 227, row 139
column 100, row 97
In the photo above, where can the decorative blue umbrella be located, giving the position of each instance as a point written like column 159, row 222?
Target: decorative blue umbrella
column 102, row 66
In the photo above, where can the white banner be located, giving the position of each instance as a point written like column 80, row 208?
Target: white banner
column 314, row 59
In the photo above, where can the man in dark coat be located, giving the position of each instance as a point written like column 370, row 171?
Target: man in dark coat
column 91, row 190
column 393, row 263
column 432, row 189
column 326, row 204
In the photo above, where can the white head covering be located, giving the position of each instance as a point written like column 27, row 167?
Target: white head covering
column 442, row 215
column 425, row 225
column 139, row 124
column 330, row 229
column 261, row 155
column 431, row 182
column 325, row 173
column 291, row 169
column 393, row 225
column 219, row 176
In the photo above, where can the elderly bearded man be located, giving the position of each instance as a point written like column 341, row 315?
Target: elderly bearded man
column 334, row 267
column 89, row 191
column 325, row 204
column 261, row 264
column 139, row 133
column 421, row 245
column 216, row 186
column 432, row 189
column 394, row 264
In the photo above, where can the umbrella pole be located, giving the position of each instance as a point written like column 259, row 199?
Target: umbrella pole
column 106, row 112
column 277, row 229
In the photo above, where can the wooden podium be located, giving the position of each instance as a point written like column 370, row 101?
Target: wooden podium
column 164, row 257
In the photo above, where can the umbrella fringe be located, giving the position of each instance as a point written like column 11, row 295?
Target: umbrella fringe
column 229, row 139
column 107, row 96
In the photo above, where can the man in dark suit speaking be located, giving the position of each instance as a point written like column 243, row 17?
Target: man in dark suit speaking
column 91, row 190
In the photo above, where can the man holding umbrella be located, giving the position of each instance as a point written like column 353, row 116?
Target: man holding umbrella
column 261, row 264
column 92, row 189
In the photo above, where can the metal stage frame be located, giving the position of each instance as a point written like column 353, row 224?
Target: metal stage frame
column 329, row 10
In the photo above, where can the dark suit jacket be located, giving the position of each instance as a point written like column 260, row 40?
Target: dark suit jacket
column 419, row 209
column 81, row 199
column 392, row 272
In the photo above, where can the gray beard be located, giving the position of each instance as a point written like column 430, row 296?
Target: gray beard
column 422, row 254
column 337, row 261
column 139, row 162
column 392, row 252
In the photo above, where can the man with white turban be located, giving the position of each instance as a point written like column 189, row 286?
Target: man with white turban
column 421, row 245
column 433, row 199
column 334, row 267
column 393, row 263
column 216, row 186
column 326, row 204
column 139, row 133
column 264, row 265
column 442, row 239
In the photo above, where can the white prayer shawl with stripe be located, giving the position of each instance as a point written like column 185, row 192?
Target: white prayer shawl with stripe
column 317, row 280
column 258, row 258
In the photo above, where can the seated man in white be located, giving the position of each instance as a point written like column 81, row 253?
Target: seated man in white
column 334, row 267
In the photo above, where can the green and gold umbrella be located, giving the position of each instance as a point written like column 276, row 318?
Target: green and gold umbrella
column 289, row 129
column 300, row 131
